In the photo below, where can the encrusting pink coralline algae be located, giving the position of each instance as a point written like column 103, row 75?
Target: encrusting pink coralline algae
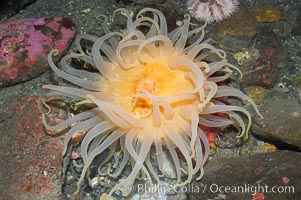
column 25, row 44
column 212, row 10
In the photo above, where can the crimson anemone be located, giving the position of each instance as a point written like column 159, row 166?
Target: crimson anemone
column 152, row 89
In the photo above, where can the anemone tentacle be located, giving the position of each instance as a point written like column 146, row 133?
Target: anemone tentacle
column 151, row 88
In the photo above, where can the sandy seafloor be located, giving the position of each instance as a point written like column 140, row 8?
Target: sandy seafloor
column 85, row 15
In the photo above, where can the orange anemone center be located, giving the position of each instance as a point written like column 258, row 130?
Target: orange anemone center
column 156, row 78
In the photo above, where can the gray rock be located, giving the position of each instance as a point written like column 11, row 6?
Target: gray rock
column 296, row 30
column 281, row 122
column 280, row 171
column 263, row 71
column 229, row 140
column 149, row 2
column 11, row 7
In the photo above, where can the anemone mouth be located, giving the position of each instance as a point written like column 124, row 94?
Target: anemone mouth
column 136, row 87
column 152, row 89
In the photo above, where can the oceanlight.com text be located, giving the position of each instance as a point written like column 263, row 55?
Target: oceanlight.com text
column 247, row 188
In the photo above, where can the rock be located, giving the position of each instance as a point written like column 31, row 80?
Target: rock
column 230, row 178
column 228, row 140
column 231, row 44
column 30, row 160
column 281, row 122
column 296, row 30
column 168, row 165
column 24, row 45
column 296, row 81
column 147, row 2
column 263, row 71
column 267, row 15
column 172, row 15
column 257, row 94
column 11, row 7
column 235, row 33
column 241, row 25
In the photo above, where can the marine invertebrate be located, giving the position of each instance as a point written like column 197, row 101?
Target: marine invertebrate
column 212, row 10
column 151, row 88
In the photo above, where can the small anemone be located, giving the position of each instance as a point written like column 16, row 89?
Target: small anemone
column 151, row 88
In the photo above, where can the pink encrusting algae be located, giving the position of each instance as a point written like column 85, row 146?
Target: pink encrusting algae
column 24, row 45
column 212, row 10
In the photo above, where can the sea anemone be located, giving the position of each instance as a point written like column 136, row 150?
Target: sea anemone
column 151, row 90
column 212, row 10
